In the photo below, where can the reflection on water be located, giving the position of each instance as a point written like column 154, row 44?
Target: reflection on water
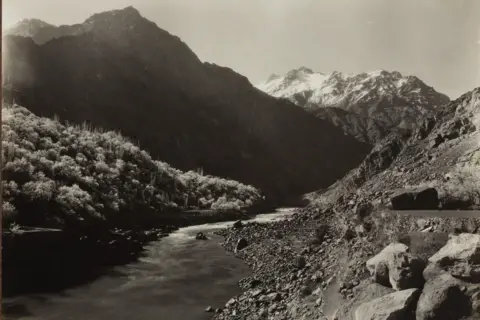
column 177, row 278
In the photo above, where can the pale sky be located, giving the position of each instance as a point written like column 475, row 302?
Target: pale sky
column 436, row 40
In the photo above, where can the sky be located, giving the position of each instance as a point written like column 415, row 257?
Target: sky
column 436, row 40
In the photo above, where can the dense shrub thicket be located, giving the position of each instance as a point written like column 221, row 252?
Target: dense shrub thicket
column 55, row 173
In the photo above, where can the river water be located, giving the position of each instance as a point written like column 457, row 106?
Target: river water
column 176, row 279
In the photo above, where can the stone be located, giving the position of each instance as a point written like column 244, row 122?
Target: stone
column 363, row 210
column 422, row 223
column 360, row 230
column 443, row 298
column 460, row 257
column 394, row 266
column 237, row 225
column 241, row 244
column 415, row 199
column 405, row 271
column 399, row 305
column 301, row 262
column 209, row 309
column 200, row 236
column 379, row 263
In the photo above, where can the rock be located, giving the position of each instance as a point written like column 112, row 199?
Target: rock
column 349, row 234
column 443, row 298
column 263, row 313
column 416, row 199
column 237, row 225
column 399, row 305
column 395, row 266
column 200, row 236
column 378, row 265
column 209, row 309
column 320, row 233
column 363, row 210
column 230, row 303
column 460, row 257
column 254, row 283
column 274, row 296
column 405, row 271
column 421, row 223
column 360, row 230
column 241, row 244
column 305, row 291
column 301, row 262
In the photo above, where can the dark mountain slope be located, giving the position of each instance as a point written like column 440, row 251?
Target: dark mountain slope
column 125, row 73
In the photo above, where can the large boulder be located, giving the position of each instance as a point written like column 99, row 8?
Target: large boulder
column 415, row 199
column 400, row 305
column 396, row 267
column 460, row 257
column 405, row 271
column 378, row 265
column 447, row 298
column 364, row 292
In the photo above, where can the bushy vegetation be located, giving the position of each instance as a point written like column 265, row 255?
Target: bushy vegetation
column 54, row 174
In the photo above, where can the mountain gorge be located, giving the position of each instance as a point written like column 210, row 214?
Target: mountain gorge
column 372, row 104
column 119, row 71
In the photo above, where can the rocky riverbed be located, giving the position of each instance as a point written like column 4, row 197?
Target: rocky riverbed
column 315, row 265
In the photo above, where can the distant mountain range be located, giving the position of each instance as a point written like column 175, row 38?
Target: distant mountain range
column 372, row 103
column 120, row 71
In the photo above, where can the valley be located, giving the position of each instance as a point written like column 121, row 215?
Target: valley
column 142, row 182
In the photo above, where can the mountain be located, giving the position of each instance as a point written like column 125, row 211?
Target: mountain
column 443, row 153
column 363, row 128
column 388, row 97
column 41, row 31
column 122, row 72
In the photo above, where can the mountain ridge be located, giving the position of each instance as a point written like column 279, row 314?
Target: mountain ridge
column 390, row 97
column 141, row 80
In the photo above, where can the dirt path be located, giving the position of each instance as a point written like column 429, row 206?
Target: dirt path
column 332, row 299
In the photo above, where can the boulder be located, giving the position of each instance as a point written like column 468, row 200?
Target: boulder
column 241, row 244
column 399, row 305
column 396, row 267
column 200, row 236
column 445, row 298
column 460, row 257
column 378, row 265
column 405, row 271
column 415, row 199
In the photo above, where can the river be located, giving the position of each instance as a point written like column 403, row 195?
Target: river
column 176, row 279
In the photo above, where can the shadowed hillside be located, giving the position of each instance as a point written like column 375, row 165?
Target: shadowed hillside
column 122, row 72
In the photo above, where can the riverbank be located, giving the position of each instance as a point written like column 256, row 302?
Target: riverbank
column 176, row 278
column 48, row 260
column 313, row 264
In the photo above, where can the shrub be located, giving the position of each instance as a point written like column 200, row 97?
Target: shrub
column 61, row 171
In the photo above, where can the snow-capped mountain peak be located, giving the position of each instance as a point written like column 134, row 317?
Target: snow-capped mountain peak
column 367, row 93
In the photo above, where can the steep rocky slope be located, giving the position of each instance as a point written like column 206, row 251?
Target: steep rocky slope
column 363, row 128
column 382, row 99
column 122, row 72
column 444, row 152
